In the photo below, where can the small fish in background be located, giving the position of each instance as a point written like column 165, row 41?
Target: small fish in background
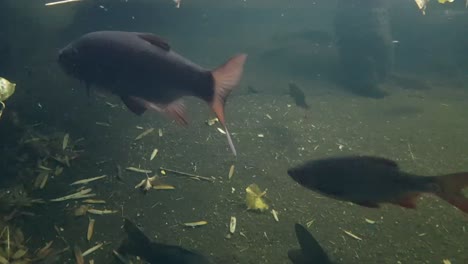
column 298, row 95
column 251, row 90
column 138, row 244
column 370, row 181
column 310, row 252
column 144, row 71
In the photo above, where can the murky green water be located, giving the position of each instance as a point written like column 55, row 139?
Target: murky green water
column 421, row 124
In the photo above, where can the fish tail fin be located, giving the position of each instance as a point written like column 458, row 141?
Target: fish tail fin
column 226, row 78
column 451, row 189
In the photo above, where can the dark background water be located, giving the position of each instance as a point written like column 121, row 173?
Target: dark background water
column 422, row 123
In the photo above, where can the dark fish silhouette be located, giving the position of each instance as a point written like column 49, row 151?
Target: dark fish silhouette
column 298, row 95
column 137, row 244
column 370, row 181
column 310, row 252
column 143, row 70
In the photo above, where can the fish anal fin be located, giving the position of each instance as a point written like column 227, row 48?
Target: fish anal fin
column 407, row 201
column 155, row 40
column 368, row 204
column 134, row 105
column 450, row 188
column 176, row 110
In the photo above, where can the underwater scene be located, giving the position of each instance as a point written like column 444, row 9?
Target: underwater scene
column 240, row 131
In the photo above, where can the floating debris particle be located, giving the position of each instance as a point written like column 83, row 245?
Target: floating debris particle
column 163, row 187
column 139, row 127
column 85, row 181
column 160, row 132
column 81, row 210
column 446, row 261
column 146, row 184
column 154, row 153
column 260, row 135
column 352, row 235
column 93, row 201
column 221, row 131
column 91, row 250
column 58, row 170
column 19, row 254
column 111, row 104
column 40, row 179
column 78, row 195
column 254, row 198
column 65, row 141
column 103, row 124
column 101, row 212
column 138, row 170
column 41, row 167
column 90, row 232
column 370, row 221
column 193, row 176
column 44, row 181
column 195, row 224
column 269, row 116
column 145, row 133
column 120, row 257
column 231, row 172
column 232, row 224
column 61, row 2
column 78, row 255
column 275, row 215
column 212, row 121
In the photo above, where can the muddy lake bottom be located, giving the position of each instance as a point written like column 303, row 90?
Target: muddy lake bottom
column 425, row 131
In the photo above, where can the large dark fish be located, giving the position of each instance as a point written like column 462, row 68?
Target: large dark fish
column 310, row 252
column 370, row 181
column 138, row 244
column 146, row 73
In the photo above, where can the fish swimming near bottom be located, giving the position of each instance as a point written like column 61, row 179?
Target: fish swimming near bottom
column 370, row 181
column 144, row 71
column 310, row 252
column 138, row 244
column 298, row 95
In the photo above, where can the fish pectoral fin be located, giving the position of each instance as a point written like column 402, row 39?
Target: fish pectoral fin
column 155, row 40
column 134, row 105
column 368, row 204
column 407, row 201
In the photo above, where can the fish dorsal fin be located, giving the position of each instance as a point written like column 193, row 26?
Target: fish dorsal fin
column 383, row 161
column 155, row 40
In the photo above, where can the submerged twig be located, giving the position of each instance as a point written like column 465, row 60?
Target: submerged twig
column 198, row 177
